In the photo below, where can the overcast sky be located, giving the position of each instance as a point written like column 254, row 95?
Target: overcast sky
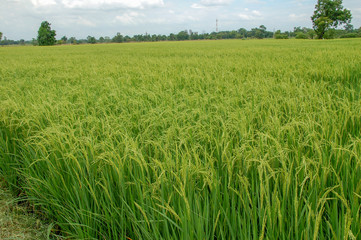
column 20, row 19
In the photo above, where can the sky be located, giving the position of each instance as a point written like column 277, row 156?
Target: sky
column 21, row 19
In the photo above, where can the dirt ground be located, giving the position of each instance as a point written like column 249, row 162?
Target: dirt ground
column 16, row 222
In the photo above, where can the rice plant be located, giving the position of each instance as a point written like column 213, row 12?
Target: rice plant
column 186, row 140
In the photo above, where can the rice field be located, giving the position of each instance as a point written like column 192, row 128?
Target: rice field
column 186, row 140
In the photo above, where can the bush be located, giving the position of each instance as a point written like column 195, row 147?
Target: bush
column 330, row 34
column 301, row 35
column 349, row 35
column 281, row 36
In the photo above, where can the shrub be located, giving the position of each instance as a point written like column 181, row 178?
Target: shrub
column 301, row 35
column 349, row 35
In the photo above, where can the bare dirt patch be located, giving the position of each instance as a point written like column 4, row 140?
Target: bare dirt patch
column 16, row 222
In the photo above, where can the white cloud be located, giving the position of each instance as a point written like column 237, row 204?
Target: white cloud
column 253, row 15
column 299, row 3
column 295, row 17
column 215, row 2
column 85, row 22
column 256, row 13
column 130, row 18
column 358, row 10
column 254, row 1
column 196, row 5
column 137, row 4
column 211, row 3
column 245, row 16
column 42, row 3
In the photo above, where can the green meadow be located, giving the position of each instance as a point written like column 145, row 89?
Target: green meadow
column 231, row 139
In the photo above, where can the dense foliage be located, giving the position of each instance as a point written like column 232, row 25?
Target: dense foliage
column 46, row 36
column 187, row 140
column 329, row 13
column 242, row 33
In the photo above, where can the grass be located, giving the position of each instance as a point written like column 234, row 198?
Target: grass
column 187, row 140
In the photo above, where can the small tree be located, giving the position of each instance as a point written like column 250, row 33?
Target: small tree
column 349, row 27
column 242, row 32
column 107, row 39
column 279, row 35
column 311, row 34
column 118, row 38
column 1, row 35
column 328, row 14
column 46, row 36
column 34, row 42
column 91, row 40
column 64, row 39
column 183, row 35
column 72, row 40
column 301, row 35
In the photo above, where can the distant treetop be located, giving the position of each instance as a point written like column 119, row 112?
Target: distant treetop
column 46, row 36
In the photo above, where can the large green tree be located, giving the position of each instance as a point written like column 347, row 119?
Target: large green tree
column 46, row 36
column 329, row 14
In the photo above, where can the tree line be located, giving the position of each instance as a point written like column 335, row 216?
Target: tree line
column 260, row 32
column 328, row 15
